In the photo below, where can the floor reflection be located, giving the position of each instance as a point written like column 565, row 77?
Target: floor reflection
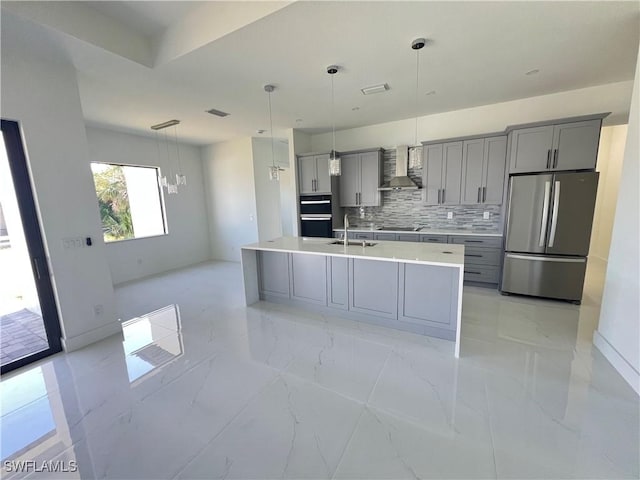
column 152, row 341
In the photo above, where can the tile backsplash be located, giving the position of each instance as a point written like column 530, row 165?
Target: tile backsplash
column 405, row 208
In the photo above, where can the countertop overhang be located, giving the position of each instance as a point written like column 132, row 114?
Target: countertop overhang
column 441, row 254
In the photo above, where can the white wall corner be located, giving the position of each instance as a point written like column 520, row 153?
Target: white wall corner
column 69, row 344
column 624, row 368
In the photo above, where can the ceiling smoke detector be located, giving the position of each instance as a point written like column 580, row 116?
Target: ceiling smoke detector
column 217, row 113
column 383, row 87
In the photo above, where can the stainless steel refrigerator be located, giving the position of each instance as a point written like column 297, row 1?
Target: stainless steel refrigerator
column 549, row 221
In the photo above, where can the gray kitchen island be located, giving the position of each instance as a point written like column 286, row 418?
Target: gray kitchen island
column 415, row 287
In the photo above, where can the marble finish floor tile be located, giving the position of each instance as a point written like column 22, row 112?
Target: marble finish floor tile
column 203, row 387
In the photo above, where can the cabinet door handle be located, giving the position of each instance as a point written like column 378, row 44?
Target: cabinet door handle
column 443, row 191
column 439, row 196
column 472, row 255
column 479, row 194
column 484, row 194
column 548, row 158
column 555, row 158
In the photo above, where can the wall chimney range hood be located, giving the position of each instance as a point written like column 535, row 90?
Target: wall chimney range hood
column 401, row 181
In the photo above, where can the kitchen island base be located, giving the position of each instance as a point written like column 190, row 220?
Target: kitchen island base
column 422, row 298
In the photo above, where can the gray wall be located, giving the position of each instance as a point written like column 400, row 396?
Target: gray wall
column 405, row 208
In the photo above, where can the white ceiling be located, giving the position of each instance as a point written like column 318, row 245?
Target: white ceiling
column 220, row 54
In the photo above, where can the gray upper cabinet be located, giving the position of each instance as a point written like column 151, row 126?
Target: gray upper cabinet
column 313, row 174
column 360, row 179
column 483, row 164
column 565, row 146
column 576, row 145
column 442, row 174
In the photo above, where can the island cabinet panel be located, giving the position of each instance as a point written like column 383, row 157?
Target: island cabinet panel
column 308, row 278
column 428, row 295
column 273, row 270
column 338, row 282
column 373, row 287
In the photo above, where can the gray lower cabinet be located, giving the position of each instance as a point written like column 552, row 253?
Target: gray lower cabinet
column 434, row 238
column 338, row 282
column 373, row 287
column 308, row 278
column 273, row 269
column 482, row 257
column 385, row 236
column 428, row 296
column 408, row 237
column 413, row 297
column 360, row 235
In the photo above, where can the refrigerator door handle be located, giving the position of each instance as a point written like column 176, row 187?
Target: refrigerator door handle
column 546, row 259
column 554, row 213
column 548, row 158
column 545, row 214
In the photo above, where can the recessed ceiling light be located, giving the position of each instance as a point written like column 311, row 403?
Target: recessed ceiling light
column 431, row 92
column 355, row 109
column 218, row 113
column 383, row 87
column 532, row 72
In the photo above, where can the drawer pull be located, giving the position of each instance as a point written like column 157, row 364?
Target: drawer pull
column 473, row 241
column 473, row 255
column 471, row 271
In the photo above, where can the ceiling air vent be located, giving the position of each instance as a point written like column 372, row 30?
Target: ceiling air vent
column 218, row 113
column 375, row 89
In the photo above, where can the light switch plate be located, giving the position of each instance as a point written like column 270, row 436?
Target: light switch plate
column 449, row 215
column 486, row 215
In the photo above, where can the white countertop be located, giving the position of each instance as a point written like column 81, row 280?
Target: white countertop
column 425, row 231
column 403, row 252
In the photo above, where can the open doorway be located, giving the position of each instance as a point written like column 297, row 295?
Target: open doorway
column 29, row 325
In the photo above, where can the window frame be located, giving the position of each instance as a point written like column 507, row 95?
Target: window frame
column 163, row 207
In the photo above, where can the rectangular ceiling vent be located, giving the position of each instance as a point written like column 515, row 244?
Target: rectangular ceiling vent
column 218, row 113
column 375, row 89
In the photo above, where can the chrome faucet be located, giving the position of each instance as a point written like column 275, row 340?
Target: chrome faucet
column 346, row 229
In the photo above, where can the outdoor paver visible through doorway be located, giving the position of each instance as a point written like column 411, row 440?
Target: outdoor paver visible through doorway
column 21, row 333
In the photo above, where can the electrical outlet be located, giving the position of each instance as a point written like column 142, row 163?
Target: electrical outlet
column 98, row 310
column 449, row 215
column 486, row 215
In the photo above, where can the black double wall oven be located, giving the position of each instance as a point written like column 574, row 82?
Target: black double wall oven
column 316, row 218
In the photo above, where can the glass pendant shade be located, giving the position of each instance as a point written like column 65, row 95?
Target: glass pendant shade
column 162, row 179
column 171, row 188
column 335, row 164
column 415, row 157
column 181, row 179
column 274, row 173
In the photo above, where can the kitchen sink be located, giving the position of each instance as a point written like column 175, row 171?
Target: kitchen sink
column 354, row 243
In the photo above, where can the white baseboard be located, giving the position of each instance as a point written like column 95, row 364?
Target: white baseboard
column 93, row 336
column 620, row 363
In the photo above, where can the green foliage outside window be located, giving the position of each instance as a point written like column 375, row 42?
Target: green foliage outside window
column 113, row 199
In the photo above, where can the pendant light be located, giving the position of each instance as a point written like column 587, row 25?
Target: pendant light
column 274, row 170
column 335, row 166
column 165, row 179
column 415, row 152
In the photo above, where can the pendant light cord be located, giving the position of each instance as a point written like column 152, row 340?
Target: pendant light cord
column 333, row 119
column 273, row 158
column 415, row 144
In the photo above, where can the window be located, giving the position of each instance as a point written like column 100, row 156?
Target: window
column 130, row 201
